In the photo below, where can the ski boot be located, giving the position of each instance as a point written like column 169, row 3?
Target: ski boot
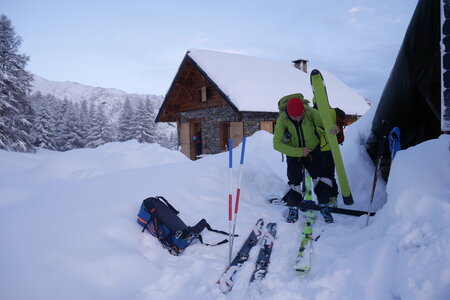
column 333, row 202
column 325, row 211
column 292, row 216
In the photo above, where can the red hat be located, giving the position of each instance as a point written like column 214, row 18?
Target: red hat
column 295, row 107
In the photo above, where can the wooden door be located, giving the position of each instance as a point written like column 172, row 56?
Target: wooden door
column 195, row 129
column 236, row 132
column 185, row 139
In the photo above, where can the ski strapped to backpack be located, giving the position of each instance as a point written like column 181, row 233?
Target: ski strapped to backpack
column 161, row 219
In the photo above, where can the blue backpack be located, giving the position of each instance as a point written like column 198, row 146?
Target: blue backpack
column 162, row 221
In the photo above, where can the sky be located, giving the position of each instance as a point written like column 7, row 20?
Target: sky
column 138, row 45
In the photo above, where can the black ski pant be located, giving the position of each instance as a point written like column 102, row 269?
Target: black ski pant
column 320, row 166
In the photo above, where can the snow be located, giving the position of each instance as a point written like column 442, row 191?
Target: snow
column 255, row 84
column 68, row 225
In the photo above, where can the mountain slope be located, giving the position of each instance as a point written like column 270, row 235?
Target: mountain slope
column 111, row 98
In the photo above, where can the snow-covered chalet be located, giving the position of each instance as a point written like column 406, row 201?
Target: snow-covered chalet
column 223, row 95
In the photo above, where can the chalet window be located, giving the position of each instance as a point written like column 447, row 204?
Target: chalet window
column 203, row 94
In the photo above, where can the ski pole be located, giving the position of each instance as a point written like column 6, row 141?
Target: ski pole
column 230, row 196
column 238, row 193
column 375, row 177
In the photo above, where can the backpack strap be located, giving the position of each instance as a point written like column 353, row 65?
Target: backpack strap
column 200, row 226
column 162, row 199
column 197, row 229
column 206, row 244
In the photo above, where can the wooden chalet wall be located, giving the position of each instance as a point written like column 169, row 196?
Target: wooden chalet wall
column 185, row 93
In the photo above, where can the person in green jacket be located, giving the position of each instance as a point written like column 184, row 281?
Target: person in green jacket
column 296, row 135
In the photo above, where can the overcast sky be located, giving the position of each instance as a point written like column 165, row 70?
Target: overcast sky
column 138, row 45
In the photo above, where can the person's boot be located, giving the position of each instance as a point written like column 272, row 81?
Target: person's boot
column 325, row 211
column 292, row 216
column 333, row 202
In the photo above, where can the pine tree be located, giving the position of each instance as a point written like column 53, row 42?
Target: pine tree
column 100, row 131
column 126, row 123
column 84, row 122
column 71, row 132
column 146, row 127
column 43, row 129
column 60, row 115
column 15, row 82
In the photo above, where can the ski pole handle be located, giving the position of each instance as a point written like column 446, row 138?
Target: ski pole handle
column 243, row 150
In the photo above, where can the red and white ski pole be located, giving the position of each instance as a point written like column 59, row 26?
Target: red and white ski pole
column 230, row 195
column 238, row 192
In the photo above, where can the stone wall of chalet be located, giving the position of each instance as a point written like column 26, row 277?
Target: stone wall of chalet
column 211, row 119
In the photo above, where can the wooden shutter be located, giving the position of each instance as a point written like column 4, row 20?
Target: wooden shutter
column 236, row 132
column 267, row 126
column 185, row 139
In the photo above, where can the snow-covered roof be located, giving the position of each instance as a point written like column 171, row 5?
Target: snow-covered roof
column 256, row 84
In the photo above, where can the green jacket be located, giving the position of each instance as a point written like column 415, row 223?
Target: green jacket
column 290, row 137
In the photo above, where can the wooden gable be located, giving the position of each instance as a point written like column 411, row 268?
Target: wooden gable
column 191, row 89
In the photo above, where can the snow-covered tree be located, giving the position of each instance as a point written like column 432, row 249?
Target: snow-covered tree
column 84, row 121
column 43, row 128
column 60, row 113
column 100, row 131
column 15, row 81
column 127, row 123
column 146, row 127
column 71, row 134
column 170, row 141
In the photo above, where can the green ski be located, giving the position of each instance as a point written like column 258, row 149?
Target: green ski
column 307, row 185
column 320, row 93
column 303, row 260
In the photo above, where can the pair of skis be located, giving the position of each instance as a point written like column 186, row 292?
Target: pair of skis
column 226, row 281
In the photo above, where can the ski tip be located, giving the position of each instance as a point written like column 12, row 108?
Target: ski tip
column 348, row 200
column 315, row 72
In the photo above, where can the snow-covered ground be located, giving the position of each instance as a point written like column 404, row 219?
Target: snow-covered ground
column 68, row 225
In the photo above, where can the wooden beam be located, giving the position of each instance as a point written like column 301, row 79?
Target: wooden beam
column 185, row 89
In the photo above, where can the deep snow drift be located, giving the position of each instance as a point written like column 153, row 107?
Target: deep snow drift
column 68, row 225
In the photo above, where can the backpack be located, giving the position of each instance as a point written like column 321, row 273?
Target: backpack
column 162, row 221
column 340, row 122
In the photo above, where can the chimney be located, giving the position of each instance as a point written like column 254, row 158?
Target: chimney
column 301, row 64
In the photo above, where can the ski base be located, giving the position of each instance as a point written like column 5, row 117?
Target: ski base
column 262, row 263
column 226, row 280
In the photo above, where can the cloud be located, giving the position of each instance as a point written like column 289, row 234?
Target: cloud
column 358, row 9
